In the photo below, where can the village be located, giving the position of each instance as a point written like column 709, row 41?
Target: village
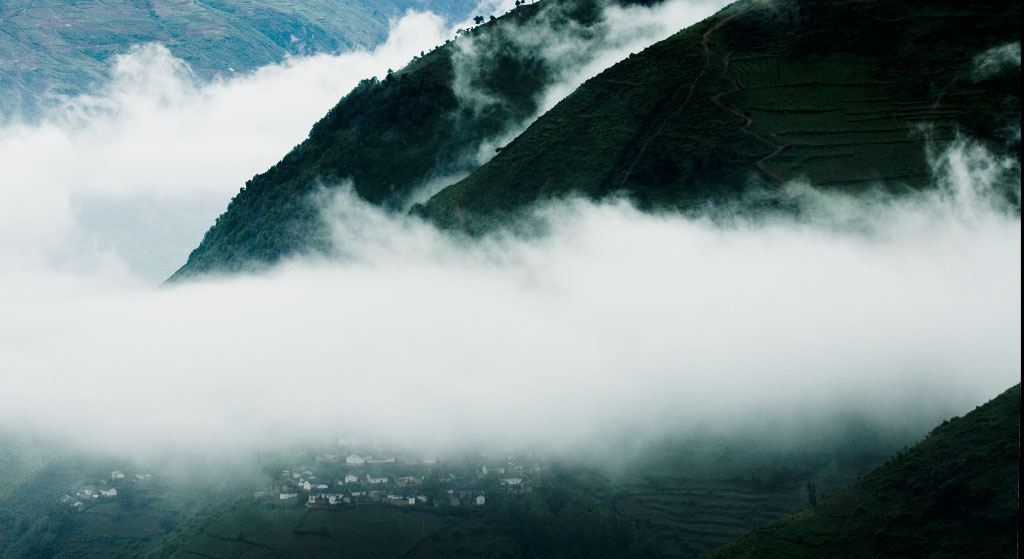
column 360, row 475
column 105, row 488
column 376, row 476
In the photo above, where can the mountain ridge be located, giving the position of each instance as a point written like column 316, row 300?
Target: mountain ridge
column 391, row 137
column 752, row 97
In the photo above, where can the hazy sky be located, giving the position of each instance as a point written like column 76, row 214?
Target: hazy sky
column 904, row 310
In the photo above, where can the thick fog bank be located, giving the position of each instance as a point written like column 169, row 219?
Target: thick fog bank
column 614, row 325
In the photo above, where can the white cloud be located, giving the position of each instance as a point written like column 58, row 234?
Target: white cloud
column 903, row 310
column 996, row 60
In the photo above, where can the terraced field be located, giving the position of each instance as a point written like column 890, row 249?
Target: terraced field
column 693, row 517
column 836, row 125
column 686, row 516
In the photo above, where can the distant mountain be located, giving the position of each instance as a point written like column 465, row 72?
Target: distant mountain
column 845, row 94
column 64, row 47
column 955, row 494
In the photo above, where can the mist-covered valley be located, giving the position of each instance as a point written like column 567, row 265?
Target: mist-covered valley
column 609, row 353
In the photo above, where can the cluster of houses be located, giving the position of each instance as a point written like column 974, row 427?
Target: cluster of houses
column 106, row 488
column 402, row 481
column 350, row 488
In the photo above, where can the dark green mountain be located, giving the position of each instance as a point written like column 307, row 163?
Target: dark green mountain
column 846, row 94
column 392, row 137
column 955, row 494
column 842, row 93
column 50, row 45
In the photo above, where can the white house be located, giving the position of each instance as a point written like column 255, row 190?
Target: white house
column 375, row 480
column 112, row 492
column 516, row 481
column 116, row 475
column 480, row 500
column 288, row 496
column 355, row 460
column 351, row 478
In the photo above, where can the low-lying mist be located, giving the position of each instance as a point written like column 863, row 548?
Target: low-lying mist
column 613, row 325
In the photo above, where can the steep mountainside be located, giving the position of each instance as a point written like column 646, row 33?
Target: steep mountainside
column 393, row 137
column 955, row 494
column 843, row 93
column 64, row 46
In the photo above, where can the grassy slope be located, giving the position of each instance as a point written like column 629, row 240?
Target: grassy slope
column 390, row 137
column 833, row 91
column 955, row 494
column 65, row 46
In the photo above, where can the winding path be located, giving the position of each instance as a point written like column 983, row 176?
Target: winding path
column 771, row 139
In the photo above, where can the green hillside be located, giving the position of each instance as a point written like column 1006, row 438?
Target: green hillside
column 843, row 93
column 50, row 45
column 391, row 138
column 955, row 494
